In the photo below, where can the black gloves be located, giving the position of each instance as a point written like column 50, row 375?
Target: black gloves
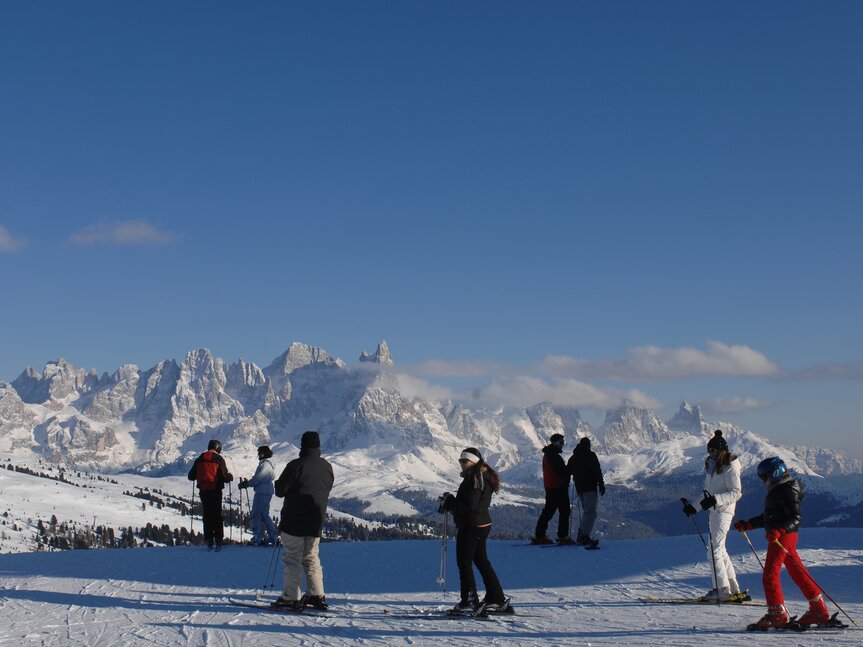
column 709, row 501
column 244, row 483
column 688, row 510
column 446, row 502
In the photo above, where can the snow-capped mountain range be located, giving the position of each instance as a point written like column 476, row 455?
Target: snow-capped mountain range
column 155, row 421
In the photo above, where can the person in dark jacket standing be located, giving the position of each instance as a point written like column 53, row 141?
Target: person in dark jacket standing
column 305, row 484
column 781, row 521
column 469, row 508
column 587, row 478
column 555, row 478
column 211, row 473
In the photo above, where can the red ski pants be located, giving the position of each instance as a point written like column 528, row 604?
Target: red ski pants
column 773, row 567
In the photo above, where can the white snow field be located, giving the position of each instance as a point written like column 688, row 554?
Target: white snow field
column 563, row 595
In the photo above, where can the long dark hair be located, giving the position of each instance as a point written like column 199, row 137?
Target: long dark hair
column 481, row 466
column 723, row 460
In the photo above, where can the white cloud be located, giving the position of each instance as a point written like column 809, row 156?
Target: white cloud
column 734, row 405
column 413, row 387
column 447, row 368
column 655, row 363
column 8, row 243
column 527, row 390
column 125, row 232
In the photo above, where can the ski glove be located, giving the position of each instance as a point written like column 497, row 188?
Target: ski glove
column 602, row 489
column 708, row 502
column 244, row 483
column 773, row 534
column 446, row 502
column 741, row 526
column 688, row 510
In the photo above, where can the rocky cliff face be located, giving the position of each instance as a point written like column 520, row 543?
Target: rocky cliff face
column 160, row 418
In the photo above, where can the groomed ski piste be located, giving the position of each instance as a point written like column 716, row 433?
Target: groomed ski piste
column 182, row 595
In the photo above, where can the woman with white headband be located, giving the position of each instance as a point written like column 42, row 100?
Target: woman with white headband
column 470, row 511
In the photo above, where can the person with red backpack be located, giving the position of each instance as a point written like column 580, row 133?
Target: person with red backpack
column 211, row 473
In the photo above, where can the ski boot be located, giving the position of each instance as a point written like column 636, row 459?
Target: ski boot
column 721, row 595
column 317, row 602
column 566, row 541
column 775, row 618
column 285, row 604
column 541, row 541
column 486, row 607
column 818, row 613
column 467, row 607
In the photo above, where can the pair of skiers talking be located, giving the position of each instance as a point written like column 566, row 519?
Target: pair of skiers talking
column 584, row 469
column 305, row 485
column 781, row 521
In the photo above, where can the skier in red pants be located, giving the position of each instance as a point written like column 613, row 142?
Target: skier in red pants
column 781, row 520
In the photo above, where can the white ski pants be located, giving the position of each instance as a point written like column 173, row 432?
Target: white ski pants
column 720, row 524
column 301, row 554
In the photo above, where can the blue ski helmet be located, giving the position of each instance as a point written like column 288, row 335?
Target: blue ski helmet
column 771, row 469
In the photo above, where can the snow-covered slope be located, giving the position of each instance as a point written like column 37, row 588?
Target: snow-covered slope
column 563, row 596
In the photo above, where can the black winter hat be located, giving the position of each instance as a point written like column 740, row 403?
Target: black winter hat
column 310, row 440
column 717, row 442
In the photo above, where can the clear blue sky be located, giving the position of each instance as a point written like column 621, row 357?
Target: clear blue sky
column 487, row 183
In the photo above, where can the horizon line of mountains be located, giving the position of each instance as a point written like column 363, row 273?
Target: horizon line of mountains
column 155, row 419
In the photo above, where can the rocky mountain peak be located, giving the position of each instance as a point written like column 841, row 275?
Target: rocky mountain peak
column 381, row 355
column 688, row 418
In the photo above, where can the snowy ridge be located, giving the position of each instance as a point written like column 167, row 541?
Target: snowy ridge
column 156, row 421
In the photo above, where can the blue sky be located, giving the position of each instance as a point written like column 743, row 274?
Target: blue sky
column 580, row 202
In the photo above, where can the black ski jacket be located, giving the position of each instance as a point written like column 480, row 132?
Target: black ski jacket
column 554, row 471
column 781, row 506
column 585, row 469
column 305, row 484
column 471, row 503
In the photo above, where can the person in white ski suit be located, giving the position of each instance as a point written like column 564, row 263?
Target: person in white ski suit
column 262, row 482
column 722, row 491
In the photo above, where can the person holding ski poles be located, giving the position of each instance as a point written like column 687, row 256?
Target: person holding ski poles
column 722, row 491
column 555, row 478
column 211, row 473
column 587, row 479
column 470, row 511
column 305, row 483
column 262, row 482
column 781, row 522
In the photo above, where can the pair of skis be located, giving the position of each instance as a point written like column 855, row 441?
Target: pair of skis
column 263, row 605
column 793, row 625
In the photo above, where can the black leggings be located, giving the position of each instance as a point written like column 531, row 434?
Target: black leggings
column 556, row 500
column 211, row 502
column 470, row 550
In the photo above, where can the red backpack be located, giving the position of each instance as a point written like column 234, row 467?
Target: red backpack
column 207, row 472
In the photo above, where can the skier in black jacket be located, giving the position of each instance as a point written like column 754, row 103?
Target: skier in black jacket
column 587, row 478
column 305, row 484
column 470, row 511
column 781, row 521
column 555, row 478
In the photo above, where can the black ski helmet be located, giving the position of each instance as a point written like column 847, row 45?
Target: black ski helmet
column 214, row 445
column 771, row 469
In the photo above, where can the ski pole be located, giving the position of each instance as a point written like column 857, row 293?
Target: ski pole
column 192, row 514
column 805, row 570
column 230, row 513
column 754, row 552
column 270, row 579
column 712, row 553
column 571, row 506
column 700, row 536
column 441, row 579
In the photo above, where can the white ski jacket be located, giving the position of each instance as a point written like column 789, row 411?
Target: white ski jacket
column 264, row 476
column 725, row 486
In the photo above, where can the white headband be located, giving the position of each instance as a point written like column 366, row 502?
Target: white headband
column 469, row 456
